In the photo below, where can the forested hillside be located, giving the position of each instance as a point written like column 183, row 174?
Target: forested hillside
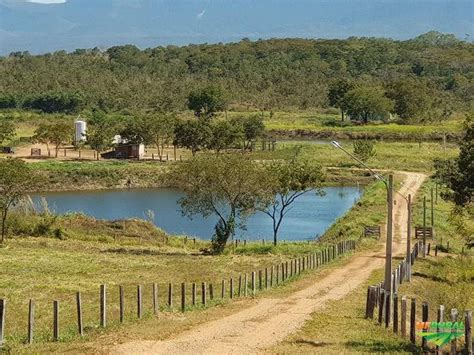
column 263, row 75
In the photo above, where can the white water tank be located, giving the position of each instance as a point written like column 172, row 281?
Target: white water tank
column 80, row 128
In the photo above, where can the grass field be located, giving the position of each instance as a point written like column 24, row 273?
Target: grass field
column 95, row 252
column 390, row 155
column 331, row 122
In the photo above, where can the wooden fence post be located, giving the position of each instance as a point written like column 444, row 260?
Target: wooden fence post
column 260, row 280
column 170, row 295
column 121, row 304
column 266, row 278
column 413, row 321
column 246, row 284
column 183, row 297
column 155, row 298
column 231, row 288
column 454, row 318
column 3, row 309
column 387, row 309
column 240, row 286
column 55, row 320
column 369, row 313
column 193, row 294
column 204, row 294
column 253, row 283
column 31, row 321
column 139, row 302
column 80, row 326
column 395, row 313
column 403, row 325
column 103, row 306
column 272, row 270
column 468, row 331
column 211, row 291
column 381, row 303
column 440, row 318
column 223, row 289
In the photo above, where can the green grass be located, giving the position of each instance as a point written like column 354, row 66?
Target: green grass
column 390, row 155
column 445, row 218
column 331, row 122
column 341, row 328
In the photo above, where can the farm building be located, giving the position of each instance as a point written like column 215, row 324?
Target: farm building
column 126, row 151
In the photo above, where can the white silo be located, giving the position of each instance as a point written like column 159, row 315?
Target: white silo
column 80, row 128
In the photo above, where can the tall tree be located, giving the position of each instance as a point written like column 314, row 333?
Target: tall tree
column 16, row 179
column 412, row 99
column 367, row 103
column 253, row 128
column 225, row 135
column 337, row 90
column 226, row 185
column 57, row 134
column 193, row 135
column 100, row 133
column 288, row 180
column 458, row 174
column 207, row 101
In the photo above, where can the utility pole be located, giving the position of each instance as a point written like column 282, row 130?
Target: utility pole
column 424, row 226
column 432, row 208
column 388, row 248
column 408, row 258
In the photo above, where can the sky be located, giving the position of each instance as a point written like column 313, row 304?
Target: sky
column 41, row 26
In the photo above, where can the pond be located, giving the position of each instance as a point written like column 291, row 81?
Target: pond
column 310, row 215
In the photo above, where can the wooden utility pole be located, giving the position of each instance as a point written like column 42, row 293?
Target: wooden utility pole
column 388, row 249
column 424, row 226
column 432, row 207
column 408, row 256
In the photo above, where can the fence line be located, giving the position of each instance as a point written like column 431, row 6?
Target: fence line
column 268, row 277
column 377, row 297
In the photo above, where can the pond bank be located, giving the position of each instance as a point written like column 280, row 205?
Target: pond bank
column 113, row 175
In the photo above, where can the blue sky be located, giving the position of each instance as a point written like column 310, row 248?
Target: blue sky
column 47, row 25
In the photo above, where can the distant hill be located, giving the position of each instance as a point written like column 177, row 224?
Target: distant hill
column 40, row 28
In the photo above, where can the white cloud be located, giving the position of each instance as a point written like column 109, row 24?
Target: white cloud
column 47, row 1
column 201, row 14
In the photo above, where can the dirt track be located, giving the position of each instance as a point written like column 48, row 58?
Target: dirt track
column 272, row 319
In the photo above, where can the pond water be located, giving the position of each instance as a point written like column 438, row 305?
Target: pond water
column 310, row 215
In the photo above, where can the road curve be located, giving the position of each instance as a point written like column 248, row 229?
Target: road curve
column 271, row 320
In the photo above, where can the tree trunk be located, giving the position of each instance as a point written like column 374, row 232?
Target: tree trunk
column 342, row 115
column 98, row 154
column 56, row 154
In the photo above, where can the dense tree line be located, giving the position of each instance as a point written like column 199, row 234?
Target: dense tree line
column 267, row 74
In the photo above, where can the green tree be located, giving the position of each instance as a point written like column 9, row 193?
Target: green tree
column 53, row 133
column 225, row 135
column 227, row 185
column 337, row 90
column 207, row 101
column 458, row 174
column 101, row 132
column 367, row 103
column 284, row 182
column 411, row 99
column 193, row 135
column 16, row 178
column 253, row 128
column 7, row 131
column 364, row 149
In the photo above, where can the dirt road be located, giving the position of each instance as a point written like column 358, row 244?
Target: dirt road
column 272, row 319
